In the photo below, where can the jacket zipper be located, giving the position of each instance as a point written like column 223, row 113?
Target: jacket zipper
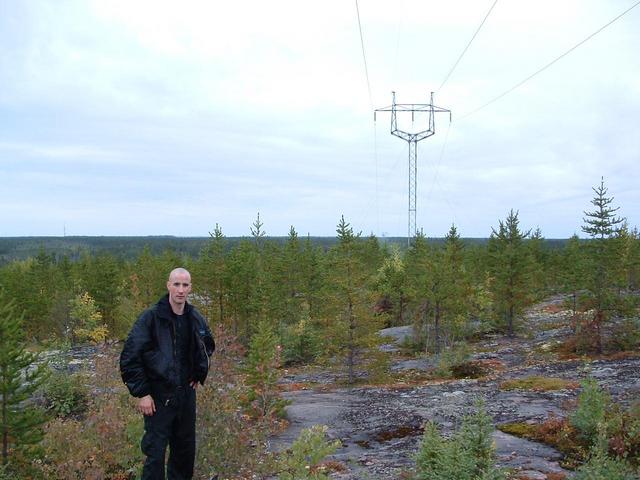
column 204, row 349
column 173, row 338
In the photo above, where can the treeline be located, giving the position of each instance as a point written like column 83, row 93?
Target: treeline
column 129, row 248
column 331, row 301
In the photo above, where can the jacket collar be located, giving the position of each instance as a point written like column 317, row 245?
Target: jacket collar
column 164, row 308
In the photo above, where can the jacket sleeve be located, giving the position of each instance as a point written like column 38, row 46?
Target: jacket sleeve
column 208, row 340
column 204, row 332
column 131, row 362
column 206, row 347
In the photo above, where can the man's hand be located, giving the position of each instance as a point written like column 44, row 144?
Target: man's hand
column 193, row 384
column 146, row 406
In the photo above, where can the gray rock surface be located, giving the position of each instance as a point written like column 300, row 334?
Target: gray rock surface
column 380, row 427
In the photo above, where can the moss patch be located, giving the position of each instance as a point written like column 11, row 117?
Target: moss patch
column 538, row 384
column 556, row 432
column 519, row 429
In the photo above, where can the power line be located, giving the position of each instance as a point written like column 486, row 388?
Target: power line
column 540, row 70
column 364, row 57
column 375, row 139
column 467, row 47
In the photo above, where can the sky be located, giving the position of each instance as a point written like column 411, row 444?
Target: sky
column 139, row 117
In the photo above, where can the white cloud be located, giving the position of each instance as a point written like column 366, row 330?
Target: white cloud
column 107, row 107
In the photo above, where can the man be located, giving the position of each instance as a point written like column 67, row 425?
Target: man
column 164, row 358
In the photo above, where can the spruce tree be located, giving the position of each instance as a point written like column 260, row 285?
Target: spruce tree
column 602, row 225
column 458, row 292
column 20, row 377
column 510, row 266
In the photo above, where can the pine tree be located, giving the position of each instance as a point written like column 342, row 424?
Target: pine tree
column 510, row 266
column 418, row 280
column 211, row 270
column 602, row 225
column 313, row 278
column 102, row 277
column 623, row 241
column 37, row 298
column 538, row 256
column 440, row 287
column 257, row 232
column 352, row 325
column 634, row 259
column 290, row 278
column 391, row 282
column 149, row 276
column 263, row 360
column 20, row 377
column 241, row 278
column 468, row 454
column 573, row 270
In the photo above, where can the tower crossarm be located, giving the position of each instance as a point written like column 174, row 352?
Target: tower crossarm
column 412, row 138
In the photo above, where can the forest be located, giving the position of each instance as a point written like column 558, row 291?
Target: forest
column 298, row 303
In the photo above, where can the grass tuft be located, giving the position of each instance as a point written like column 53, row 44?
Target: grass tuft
column 539, row 384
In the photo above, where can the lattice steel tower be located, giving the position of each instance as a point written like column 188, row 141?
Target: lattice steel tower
column 412, row 139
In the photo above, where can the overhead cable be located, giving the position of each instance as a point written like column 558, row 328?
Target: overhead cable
column 540, row 70
column 375, row 139
column 364, row 57
column 467, row 47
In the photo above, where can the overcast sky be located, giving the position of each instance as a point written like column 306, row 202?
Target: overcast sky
column 126, row 117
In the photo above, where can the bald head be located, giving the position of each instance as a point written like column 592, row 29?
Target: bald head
column 179, row 286
column 179, row 271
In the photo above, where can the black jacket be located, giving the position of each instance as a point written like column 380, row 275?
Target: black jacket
column 148, row 360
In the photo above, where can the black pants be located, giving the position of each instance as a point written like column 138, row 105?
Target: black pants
column 173, row 424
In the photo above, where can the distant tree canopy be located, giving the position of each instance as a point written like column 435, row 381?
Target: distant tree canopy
column 325, row 297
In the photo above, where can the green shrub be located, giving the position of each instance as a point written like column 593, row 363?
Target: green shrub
column 65, row 395
column 452, row 359
column 304, row 460
column 229, row 442
column 593, row 404
column 625, row 335
column 468, row 455
column 601, row 466
column 622, row 429
column 7, row 474
column 301, row 343
column 468, row 370
column 105, row 444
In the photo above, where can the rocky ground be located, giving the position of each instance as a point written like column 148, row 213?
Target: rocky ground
column 380, row 427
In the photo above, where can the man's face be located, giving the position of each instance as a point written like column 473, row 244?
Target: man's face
column 179, row 286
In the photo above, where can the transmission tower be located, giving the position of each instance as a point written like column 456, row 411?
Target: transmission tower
column 412, row 139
